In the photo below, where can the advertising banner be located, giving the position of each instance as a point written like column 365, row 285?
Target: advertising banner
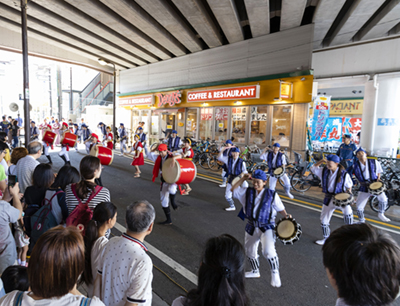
column 320, row 118
column 351, row 126
column 240, row 93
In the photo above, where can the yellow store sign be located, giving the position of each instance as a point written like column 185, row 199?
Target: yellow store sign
column 346, row 107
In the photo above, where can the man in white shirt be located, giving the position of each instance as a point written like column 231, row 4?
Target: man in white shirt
column 27, row 165
column 235, row 167
column 260, row 205
column 368, row 171
column 126, row 269
column 332, row 185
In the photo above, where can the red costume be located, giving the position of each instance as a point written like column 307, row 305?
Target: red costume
column 140, row 160
column 191, row 154
column 110, row 138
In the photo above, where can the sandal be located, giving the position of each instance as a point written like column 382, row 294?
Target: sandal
column 185, row 193
column 137, row 175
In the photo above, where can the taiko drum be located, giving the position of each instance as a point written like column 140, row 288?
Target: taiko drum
column 183, row 171
column 105, row 154
column 49, row 137
column 69, row 139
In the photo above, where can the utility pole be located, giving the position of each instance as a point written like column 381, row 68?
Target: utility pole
column 50, row 97
column 71, row 107
column 24, row 30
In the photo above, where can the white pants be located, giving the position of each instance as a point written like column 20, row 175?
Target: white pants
column 123, row 145
column 228, row 192
column 267, row 240
column 166, row 190
column 273, row 180
column 64, row 152
column 327, row 211
column 363, row 197
column 45, row 149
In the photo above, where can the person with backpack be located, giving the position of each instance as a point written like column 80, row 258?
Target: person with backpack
column 84, row 196
column 104, row 218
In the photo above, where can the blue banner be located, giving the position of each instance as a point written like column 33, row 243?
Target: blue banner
column 320, row 118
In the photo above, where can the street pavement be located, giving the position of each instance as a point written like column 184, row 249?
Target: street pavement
column 176, row 249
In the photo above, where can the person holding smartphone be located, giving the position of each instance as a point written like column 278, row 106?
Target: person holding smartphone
column 3, row 177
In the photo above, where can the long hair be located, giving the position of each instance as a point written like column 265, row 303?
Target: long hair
column 339, row 174
column 221, row 275
column 101, row 214
column 66, row 175
column 43, row 176
column 89, row 164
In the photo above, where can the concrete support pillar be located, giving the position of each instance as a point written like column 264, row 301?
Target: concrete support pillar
column 381, row 116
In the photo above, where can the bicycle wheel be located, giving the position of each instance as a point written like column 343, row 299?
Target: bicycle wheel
column 213, row 164
column 289, row 172
column 374, row 204
column 260, row 166
column 203, row 160
column 300, row 182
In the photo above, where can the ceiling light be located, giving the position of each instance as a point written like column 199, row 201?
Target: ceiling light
column 102, row 62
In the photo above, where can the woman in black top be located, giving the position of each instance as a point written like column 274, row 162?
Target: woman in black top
column 15, row 133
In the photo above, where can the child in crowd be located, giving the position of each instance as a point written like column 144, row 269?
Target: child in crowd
column 21, row 241
column 15, row 278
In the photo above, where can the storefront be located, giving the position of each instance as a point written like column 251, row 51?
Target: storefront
column 257, row 111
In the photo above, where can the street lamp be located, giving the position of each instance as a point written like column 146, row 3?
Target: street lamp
column 103, row 62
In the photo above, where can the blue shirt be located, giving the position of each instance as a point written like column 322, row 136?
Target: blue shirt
column 20, row 121
column 4, row 126
column 347, row 152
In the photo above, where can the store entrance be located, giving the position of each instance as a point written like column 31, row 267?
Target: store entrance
column 167, row 123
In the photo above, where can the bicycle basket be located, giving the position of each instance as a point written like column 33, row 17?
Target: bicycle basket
column 255, row 157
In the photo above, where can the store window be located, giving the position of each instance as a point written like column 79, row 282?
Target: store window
column 239, row 124
column 155, row 124
column 135, row 124
column 168, row 121
column 258, row 127
column 146, row 119
column 191, row 123
column 206, row 117
column 281, row 125
column 181, row 123
column 221, row 123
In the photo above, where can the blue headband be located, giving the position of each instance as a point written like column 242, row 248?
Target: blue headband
column 84, row 125
column 236, row 149
column 333, row 158
column 229, row 141
column 276, row 145
column 32, row 121
column 361, row 150
column 140, row 128
column 174, row 132
column 259, row 175
column 75, row 124
column 121, row 124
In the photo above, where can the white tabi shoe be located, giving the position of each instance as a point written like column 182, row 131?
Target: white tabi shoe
column 320, row 242
column 275, row 279
column 252, row 274
column 383, row 217
column 290, row 195
column 222, row 185
column 231, row 208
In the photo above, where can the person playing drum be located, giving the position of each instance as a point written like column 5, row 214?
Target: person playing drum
column 235, row 167
column 86, row 132
column 334, row 180
column 168, row 191
column 64, row 148
column 124, row 138
column 47, row 145
column 102, row 127
column 91, row 141
column 108, row 142
column 276, row 159
column 260, row 205
column 227, row 152
column 76, row 132
column 174, row 142
column 368, row 171
column 187, row 153
column 138, row 159
column 142, row 136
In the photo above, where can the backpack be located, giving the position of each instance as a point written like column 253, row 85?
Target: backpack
column 18, row 300
column 82, row 214
column 43, row 219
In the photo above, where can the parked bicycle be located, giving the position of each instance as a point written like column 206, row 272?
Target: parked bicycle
column 392, row 181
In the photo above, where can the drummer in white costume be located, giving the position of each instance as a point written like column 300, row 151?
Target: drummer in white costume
column 332, row 185
column 261, row 222
column 168, row 191
column 235, row 167
column 276, row 159
column 64, row 148
column 227, row 152
column 46, row 146
column 368, row 171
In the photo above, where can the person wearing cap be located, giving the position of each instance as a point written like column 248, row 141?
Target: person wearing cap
column 168, row 191
column 174, row 142
column 347, row 151
column 142, row 136
column 334, row 179
column 77, row 133
column 64, row 148
column 34, row 131
column 101, row 126
column 108, row 142
column 138, row 159
column 86, row 132
column 234, row 167
column 91, row 141
column 368, row 171
column 46, row 145
column 124, row 136
column 227, row 152
column 4, row 125
column 187, row 153
column 276, row 159
column 260, row 206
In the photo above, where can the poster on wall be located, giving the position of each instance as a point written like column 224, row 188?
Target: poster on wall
column 239, row 114
column 351, row 126
column 333, row 130
column 255, row 116
column 321, row 115
column 206, row 114
column 221, row 113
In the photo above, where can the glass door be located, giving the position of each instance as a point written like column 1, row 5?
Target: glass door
column 206, row 123
column 191, row 123
column 135, row 124
column 258, row 124
column 239, row 124
column 154, row 128
column 167, row 123
column 221, row 123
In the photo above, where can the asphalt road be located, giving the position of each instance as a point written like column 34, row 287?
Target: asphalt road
column 201, row 216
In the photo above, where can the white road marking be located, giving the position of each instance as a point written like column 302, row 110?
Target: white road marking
column 165, row 258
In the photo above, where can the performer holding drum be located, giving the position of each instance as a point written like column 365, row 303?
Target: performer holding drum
column 48, row 141
column 109, row 139
column 138, row 159
column 260, row 205
column 168, row 191
column 336, row 184
column 368, row 173
column 68, row 140
column 187, row 153
column 227, row 152
column 76, row 132
column 276, row 168
column 235, row 167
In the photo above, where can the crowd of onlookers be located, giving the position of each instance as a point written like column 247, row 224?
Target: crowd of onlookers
column 62, row 222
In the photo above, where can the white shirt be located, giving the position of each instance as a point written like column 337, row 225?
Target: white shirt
column 95, row 258
column 225, row 159
column 153, row 157
column 127, row 272
column 365, row 170
column 240, row 194
column 173, row 142
column 264, row 156
column 67, row 300
column 25, row 168
column 348, row 183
